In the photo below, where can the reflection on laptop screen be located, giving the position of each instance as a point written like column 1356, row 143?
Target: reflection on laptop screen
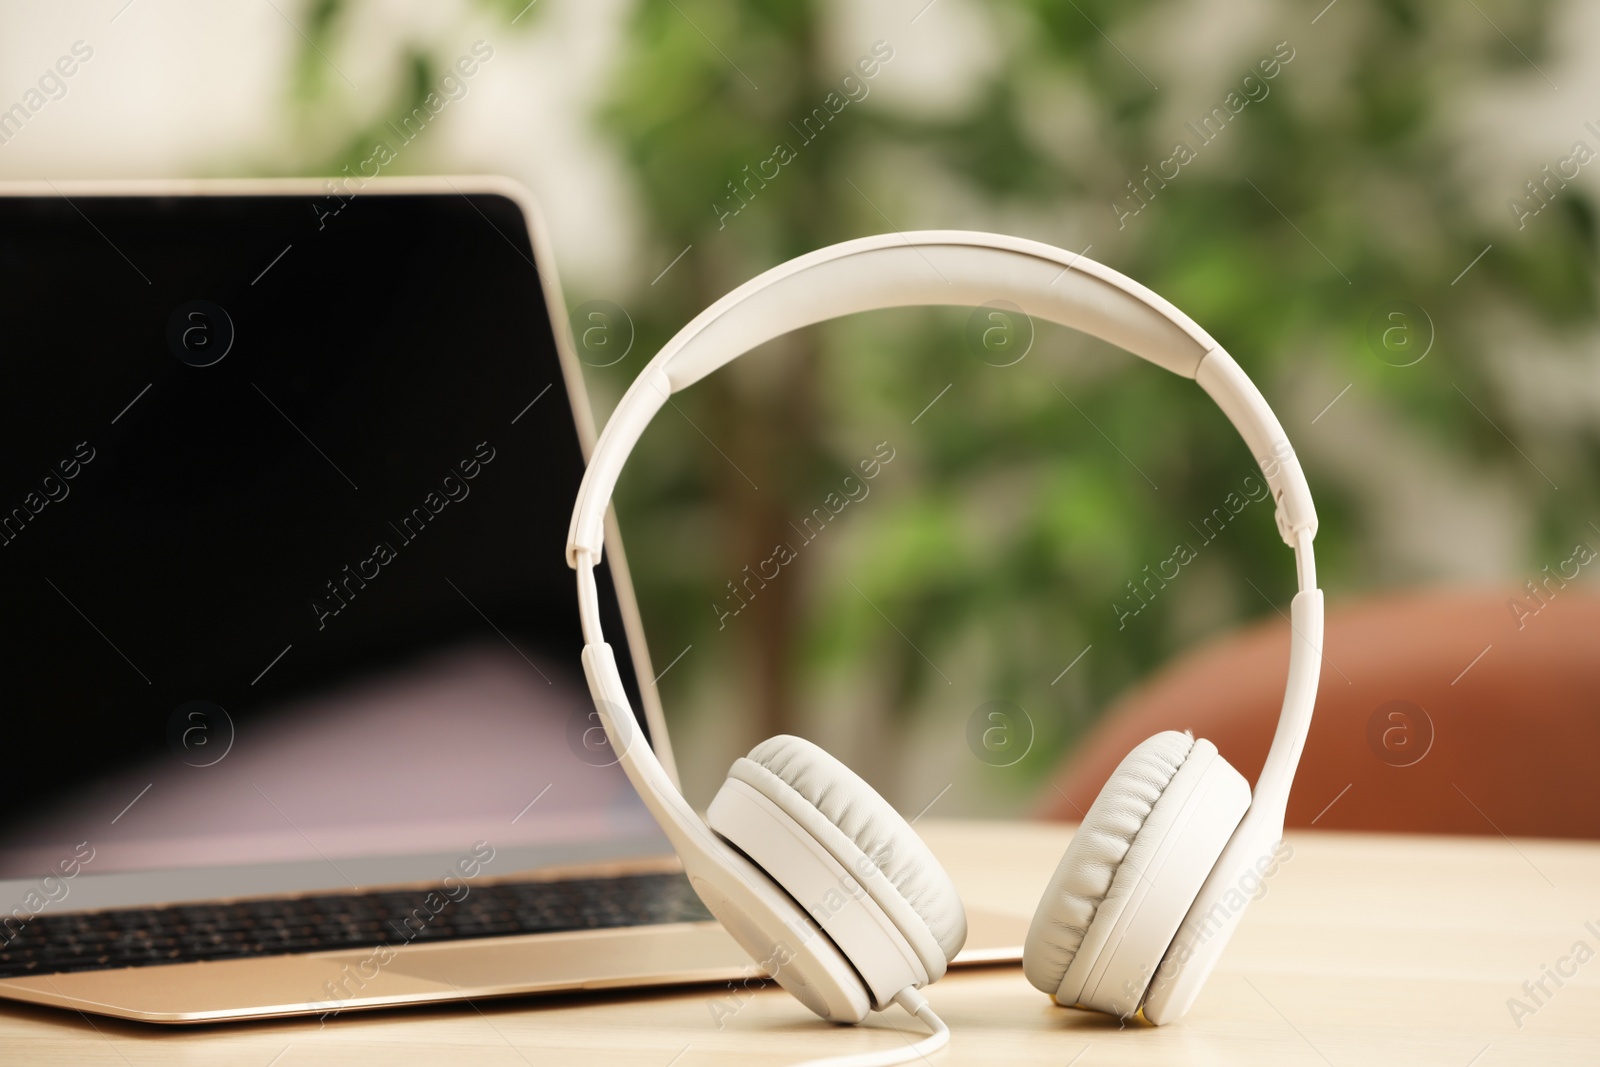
column 284, row 492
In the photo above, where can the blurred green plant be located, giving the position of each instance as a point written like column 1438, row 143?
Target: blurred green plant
column 1030, row 512
column 1027, row 500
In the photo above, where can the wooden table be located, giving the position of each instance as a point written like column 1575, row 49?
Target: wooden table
column 1365, row 951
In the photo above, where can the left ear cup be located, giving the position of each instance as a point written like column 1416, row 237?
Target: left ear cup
column 847, row 857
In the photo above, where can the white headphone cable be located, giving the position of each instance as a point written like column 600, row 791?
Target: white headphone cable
column 915, row 1004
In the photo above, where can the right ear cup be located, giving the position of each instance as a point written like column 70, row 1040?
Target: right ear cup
column 1131, row 872
column 847, row 857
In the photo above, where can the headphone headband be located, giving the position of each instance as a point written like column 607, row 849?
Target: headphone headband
column 950, row 267
column 946, row 267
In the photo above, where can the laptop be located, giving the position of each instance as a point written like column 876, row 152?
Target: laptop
column 294, row 717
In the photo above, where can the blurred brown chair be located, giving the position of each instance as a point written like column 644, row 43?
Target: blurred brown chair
column 1436, row 713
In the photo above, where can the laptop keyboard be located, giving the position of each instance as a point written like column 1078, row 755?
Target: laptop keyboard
column 142, row 937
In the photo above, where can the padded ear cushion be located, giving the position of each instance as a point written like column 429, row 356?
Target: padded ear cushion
column 868, row 837
column 1086, row 872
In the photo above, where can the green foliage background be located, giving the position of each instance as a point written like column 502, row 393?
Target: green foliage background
column 991, row 549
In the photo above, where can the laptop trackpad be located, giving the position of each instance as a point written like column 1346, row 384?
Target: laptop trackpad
column 640, row 955
column 597, row 959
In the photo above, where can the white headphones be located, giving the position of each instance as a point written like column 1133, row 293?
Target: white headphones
column 811, row 871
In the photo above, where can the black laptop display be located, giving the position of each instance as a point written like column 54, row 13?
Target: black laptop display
column 284, row 487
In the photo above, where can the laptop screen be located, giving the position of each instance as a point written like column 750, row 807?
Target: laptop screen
column 284, row 492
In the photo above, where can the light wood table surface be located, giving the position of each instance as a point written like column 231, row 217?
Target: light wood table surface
column 1365, row 950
